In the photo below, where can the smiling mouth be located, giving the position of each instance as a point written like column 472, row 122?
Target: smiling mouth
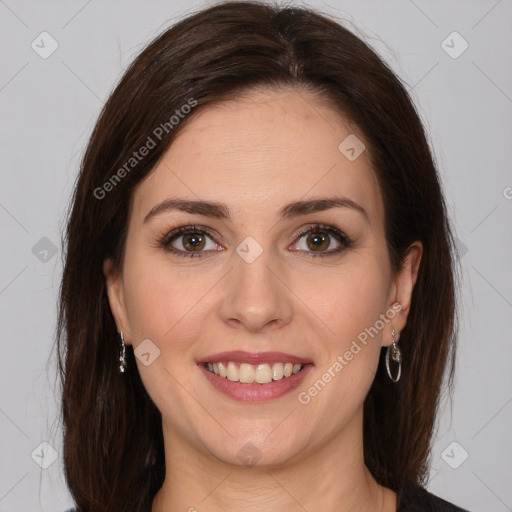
column 245, row 373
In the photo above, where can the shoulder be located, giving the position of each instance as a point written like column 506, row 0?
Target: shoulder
column 415, row 498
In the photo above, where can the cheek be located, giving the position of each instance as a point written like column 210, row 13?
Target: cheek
column 149, row 303
column 350, row 299
column 160, row 306
column 160, row 299
column 352, row 305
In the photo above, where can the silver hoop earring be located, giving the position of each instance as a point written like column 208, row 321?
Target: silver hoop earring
column 396, row 355
column 122, row 354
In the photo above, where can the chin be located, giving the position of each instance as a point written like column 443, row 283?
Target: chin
column 255, row 451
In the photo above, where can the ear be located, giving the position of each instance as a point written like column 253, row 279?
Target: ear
column 401, row 291
column 115, row 292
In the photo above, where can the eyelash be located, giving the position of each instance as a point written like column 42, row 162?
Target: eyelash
column 167, row 237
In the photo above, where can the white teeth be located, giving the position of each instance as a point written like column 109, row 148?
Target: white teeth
column 248, row 373
column 263, row 374
column 233, row 373
column 277, row 371
column 223, row 371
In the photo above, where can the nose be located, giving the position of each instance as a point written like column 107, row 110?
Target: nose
column 256, row 296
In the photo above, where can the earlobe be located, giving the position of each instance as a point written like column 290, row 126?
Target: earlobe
column 405, row 282
column 406, row 278
column 115, row 292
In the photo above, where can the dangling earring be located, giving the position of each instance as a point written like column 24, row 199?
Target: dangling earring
column 396, row 355
column 122, row 354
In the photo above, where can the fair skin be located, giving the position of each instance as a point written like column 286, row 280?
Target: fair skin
column 255, row 154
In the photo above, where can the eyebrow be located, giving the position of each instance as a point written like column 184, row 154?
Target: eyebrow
column 221, row 211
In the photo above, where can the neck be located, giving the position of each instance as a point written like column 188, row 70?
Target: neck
column 331, row 476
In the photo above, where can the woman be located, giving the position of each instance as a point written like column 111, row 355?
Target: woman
column 258, row 300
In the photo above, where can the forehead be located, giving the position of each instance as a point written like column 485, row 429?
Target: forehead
column 265, row 148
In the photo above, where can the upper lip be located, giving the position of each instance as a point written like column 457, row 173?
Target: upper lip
column 241, row 356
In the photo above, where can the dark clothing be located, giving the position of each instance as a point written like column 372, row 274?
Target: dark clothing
column 418, row 499
column 410, row 499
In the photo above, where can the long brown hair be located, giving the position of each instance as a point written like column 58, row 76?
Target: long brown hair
column 113, row 443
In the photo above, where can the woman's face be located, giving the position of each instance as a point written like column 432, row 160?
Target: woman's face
column 260, row 280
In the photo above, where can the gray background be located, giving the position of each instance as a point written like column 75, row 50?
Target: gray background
column 48, row 108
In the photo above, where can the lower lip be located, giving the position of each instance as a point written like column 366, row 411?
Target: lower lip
column 255, row 392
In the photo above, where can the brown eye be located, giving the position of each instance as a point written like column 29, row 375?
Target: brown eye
column 318, row 241
column 193, row 242
column 323, row 240
column 189, row 241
